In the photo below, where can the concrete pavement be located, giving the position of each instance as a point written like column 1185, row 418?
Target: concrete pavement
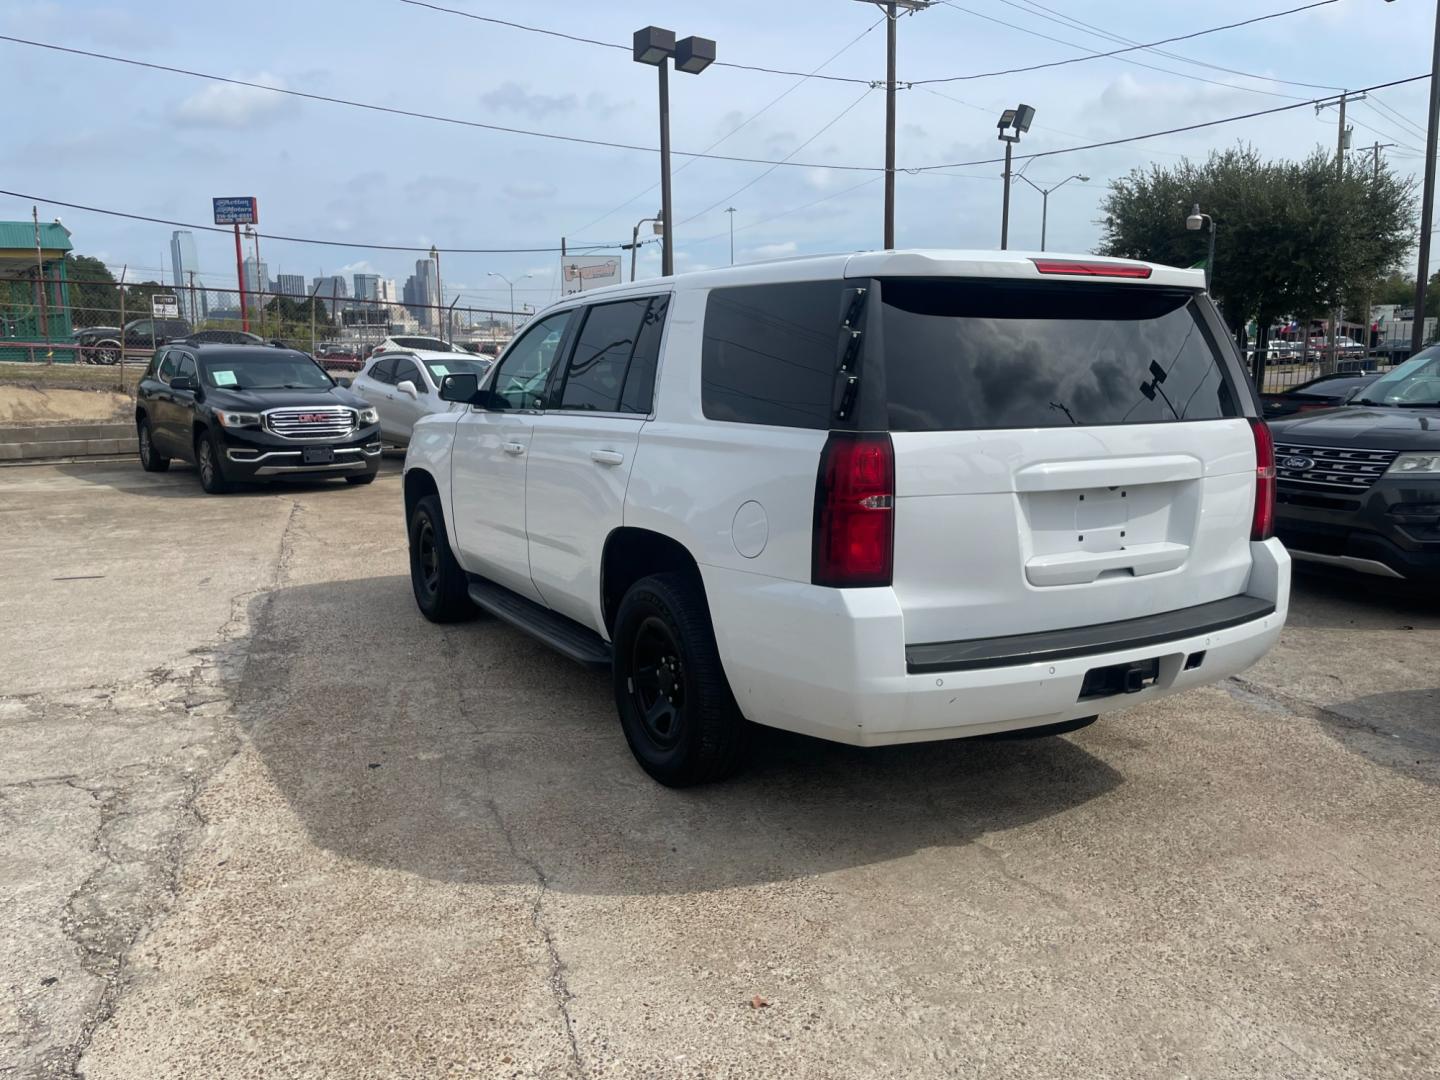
column 263, row 820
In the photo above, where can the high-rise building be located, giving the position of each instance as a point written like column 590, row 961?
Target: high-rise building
column 185, row 269
column 426, row 293
column 291, row 285
column 257, row 277
column 367, row 286
column 331, row 290
column 387, row 291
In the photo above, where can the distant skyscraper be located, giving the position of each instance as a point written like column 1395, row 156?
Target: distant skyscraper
column 257, row 277
column 184, row 263
column 331, row 290
column 367, row 286
column 291, row 285
column 425, row 292
column 387, row 291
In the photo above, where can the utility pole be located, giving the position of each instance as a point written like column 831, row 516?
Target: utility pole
column 1342, row 140
column 1427, row 210
column 240, row 280
column 1375, row 179
column 892, row 10
column 40, row 285
column 730, row 210
column 194, row 309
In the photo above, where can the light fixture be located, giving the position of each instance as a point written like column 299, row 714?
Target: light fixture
column 694, row 54
column 654, row 45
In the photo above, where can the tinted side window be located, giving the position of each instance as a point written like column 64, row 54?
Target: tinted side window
column 639, row 392
column 405, row 370
column 166, row 370
column 769, row 355
column 968, row 355
column 155, row 360
column 525, row 370
column 383, row 371
column 186, row 366
column 596, row 374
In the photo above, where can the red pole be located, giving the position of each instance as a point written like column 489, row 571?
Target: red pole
column 240, row 276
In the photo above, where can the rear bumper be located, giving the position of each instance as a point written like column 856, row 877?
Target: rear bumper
column 833, row 663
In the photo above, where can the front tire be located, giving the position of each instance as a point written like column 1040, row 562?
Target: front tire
column 207, row 462
column 441, row 590
column 675, row 704
column 151, row 460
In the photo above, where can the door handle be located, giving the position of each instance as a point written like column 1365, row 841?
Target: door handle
column 607, row 457
column 513, row 448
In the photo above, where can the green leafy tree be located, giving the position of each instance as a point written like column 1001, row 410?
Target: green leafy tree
column 1291, row 237
column 94, row 294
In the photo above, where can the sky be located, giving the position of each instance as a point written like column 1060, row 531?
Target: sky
column 119, row 137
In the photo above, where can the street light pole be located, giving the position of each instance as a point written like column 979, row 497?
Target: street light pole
column 1018, row 119
column 1195, row 222
column 502, row 277
column 1427, row 210
column 655, row 45
column 1045, row 198
column 731, row 211
column 889, row 126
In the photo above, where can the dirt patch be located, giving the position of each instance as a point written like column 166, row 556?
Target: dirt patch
column 46, row 405
column 71, row 376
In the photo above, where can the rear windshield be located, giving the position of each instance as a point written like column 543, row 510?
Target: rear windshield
column 963, row 355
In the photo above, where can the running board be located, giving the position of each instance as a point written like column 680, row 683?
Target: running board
column 565, row 636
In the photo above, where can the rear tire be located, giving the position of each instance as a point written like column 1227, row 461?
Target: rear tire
column 441, row 590
column 151, row 460
column 1044, row 730
column 207, row 463
column 675, row 704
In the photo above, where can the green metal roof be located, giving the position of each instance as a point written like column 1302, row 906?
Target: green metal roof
column 20, row 235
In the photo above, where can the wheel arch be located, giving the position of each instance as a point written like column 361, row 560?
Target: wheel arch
column 418, row 484
column 632, row 553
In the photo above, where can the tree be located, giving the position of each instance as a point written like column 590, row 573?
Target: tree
column 1291, row 237
column 94, row 296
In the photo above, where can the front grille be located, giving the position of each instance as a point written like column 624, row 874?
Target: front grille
column 1330, row 468
column 321, row 422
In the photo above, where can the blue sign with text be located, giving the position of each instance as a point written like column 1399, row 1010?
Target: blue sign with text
column 237, row 211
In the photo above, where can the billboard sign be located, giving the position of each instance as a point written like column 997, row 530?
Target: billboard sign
column 243, row 210
column 581, row 273
column 164, row 306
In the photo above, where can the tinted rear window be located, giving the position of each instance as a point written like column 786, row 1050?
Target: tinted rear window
column 969, row 355
column 769, row 355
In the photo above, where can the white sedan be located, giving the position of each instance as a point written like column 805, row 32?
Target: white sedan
column 405, row 385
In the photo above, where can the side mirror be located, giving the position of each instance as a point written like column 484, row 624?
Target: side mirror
column 182, row 382
column 343, row 381
column 462, row 387
column 406, row 387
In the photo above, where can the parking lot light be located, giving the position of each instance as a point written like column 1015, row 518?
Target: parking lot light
column 1195, row 222
column 654, row 45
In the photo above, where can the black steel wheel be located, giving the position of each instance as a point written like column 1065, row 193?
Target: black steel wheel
column 151, row 460
column 675, row 705
column 438, row 581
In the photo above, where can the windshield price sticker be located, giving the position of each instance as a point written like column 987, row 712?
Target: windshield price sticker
column 224, row 378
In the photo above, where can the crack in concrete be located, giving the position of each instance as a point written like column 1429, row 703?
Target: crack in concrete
column 98, row 931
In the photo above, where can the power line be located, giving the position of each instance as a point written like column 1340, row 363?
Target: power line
column 1123, row 59
column 761, row 176
column 1129, row 48
column 1168, row 131
column 749, row 119
column 1399, row 117
column 300, row 239
column 1398, row 139
column 787, row 213
column 1034, row 7
column 615, row 45
column 413, row 114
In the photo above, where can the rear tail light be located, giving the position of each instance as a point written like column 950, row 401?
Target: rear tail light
column 855, row 512
column 1262, row 525
column 1091, row 269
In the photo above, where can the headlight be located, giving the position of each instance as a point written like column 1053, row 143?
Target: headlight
column 369, row 416
column 1416, row 465
column 237, row 419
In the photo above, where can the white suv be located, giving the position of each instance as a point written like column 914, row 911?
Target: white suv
column 877, row 498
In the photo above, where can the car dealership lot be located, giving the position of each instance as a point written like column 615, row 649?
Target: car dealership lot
column 261, row 818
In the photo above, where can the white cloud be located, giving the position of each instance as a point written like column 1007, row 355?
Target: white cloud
column 774, row 251
column 512, row 97
column 223, row 105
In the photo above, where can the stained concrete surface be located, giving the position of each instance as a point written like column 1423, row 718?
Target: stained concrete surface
column 263, row 820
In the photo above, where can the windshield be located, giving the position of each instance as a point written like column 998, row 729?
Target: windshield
column 461, row 365
column 429, row 344
column 1414, row 383
column 276, row 371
